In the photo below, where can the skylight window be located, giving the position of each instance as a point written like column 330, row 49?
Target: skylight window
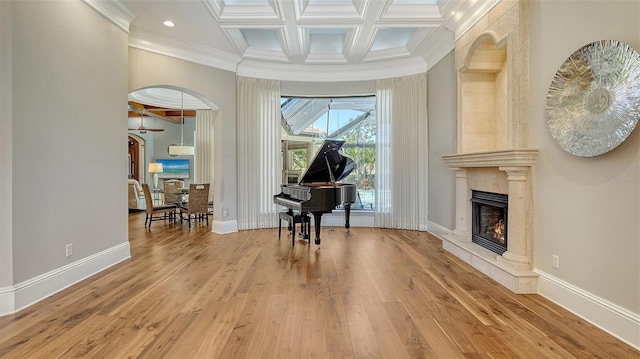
column 326, row 41
column 392, row 38
column 266, row 39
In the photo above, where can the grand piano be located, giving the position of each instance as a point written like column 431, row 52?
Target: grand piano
column 318, row 191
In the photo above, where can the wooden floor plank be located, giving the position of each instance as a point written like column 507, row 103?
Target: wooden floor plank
column 369, row 293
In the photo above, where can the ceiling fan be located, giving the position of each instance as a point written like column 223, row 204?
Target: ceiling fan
column 143, row 129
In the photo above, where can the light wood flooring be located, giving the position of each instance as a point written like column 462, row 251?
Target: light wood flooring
column 372, row 293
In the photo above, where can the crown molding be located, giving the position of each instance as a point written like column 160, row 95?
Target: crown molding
column 186, row 51
column 386, row 54
column 325, row 58
column 419, row 12
column 266, row 55
column 332, row 73
column 460, row 16
column 113, row 11
column 223, row 12
column 474, row 15
column 440, row 43
column 295, row 60
column 260, row 68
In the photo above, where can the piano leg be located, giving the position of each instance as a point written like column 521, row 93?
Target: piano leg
column 317, row 218
column 291, row 227
column 347, row 214
column 305, row 227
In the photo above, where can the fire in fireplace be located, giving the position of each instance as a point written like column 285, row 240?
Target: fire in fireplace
column 489, row 220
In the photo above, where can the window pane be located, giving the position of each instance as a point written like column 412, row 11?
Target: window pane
column 351, row 119
column 298, row 160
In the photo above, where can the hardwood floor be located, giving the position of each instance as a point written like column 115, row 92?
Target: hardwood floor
column 373, row 293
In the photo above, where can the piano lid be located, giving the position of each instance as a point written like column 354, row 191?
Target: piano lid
column 339, row 165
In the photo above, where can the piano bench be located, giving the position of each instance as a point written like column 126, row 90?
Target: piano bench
column 292, row 218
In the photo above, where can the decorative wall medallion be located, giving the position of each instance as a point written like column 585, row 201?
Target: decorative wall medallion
column 593, row 103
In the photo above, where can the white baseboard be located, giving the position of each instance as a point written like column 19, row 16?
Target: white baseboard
column 613, row 319
column 224, row 227
column 617, row 321
column 438, row 230
column 31, row 291
column 7, row 301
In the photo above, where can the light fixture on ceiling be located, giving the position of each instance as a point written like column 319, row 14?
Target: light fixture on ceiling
column 182, row 150
column 169, row 23
column 143, row 129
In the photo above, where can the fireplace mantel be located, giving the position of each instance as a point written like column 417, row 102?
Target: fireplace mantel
column 513, row 268
column 492, row 136
column 501, row 158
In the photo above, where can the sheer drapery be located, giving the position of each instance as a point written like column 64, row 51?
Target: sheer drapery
column 203, row 167
column 259, row 151
column 401, row 156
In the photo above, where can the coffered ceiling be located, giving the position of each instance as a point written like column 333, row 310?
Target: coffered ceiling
column 311, row 40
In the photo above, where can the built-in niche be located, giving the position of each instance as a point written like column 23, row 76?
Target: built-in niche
column 483, row 97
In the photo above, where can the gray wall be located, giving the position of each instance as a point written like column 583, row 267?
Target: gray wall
column 68, row 156
column 441, row 104
column 6, row 158
column 213, row 86
column 587, row 210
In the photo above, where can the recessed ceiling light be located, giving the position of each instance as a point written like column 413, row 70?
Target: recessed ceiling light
column 169, row 23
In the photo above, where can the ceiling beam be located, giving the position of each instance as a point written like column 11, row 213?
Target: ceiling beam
column 171, row 115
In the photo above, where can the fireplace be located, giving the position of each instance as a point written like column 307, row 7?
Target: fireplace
column 489, row 220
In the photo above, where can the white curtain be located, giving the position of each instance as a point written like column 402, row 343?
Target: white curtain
column 259, row 151
column 203, row 168
column 401, row 157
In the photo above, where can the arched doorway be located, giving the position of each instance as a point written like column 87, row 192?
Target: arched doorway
column 135, row 151
column 176, row 114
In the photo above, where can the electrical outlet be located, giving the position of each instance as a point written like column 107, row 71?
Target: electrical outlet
column 556, row 261
column 225, row 213
column 69, row 250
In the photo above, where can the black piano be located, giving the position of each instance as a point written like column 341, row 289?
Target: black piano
column 318, row 191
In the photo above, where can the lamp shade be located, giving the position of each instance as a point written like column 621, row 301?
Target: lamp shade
column 175, row 150
column 155, row 167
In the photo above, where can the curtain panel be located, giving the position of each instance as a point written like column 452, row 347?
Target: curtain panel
column 401, row 156
column 203, row 168
column 259, row 151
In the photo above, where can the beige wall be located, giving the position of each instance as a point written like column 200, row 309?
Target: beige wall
column 441, row 105
column 587, row 210
column 6, row 158
column 68, row 136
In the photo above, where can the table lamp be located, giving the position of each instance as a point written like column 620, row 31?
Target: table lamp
column 155, row 168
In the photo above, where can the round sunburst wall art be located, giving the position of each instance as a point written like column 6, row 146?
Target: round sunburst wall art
column 593, row 102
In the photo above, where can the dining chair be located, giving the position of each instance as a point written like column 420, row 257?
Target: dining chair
column 172, row 192
column 198, row 205
column 152, row 209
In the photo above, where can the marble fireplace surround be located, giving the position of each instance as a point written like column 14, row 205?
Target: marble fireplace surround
column 502, row 171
